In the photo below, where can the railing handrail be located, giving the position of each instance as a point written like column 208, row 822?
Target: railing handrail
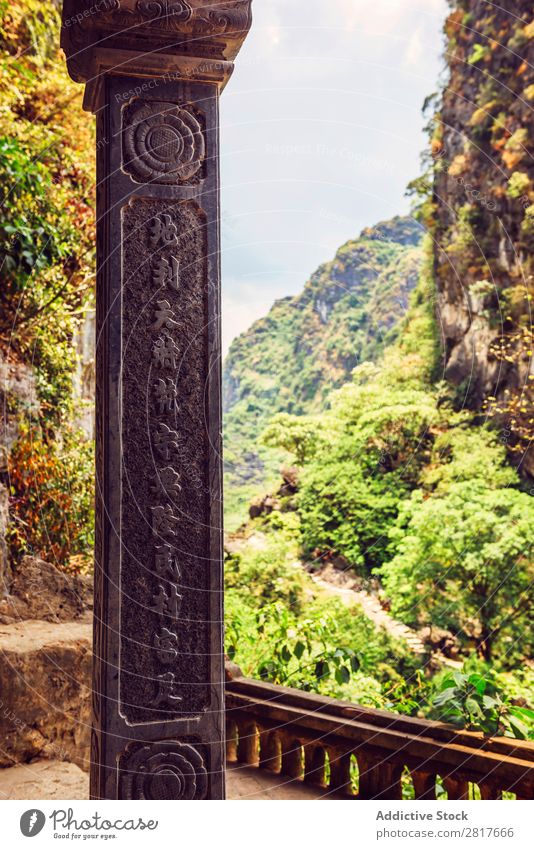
column 385, row 720
column 427, row 744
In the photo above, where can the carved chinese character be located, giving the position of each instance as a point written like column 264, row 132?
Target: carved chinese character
column 165, row 395
column 163, row 522
column 165, row 352
column 163, row 231
column 166, row 645
column 164, row 316
column 166, row 563
column 166, row 692
column 167, row 481
column 166, row 441
column 165, row 273
column 167, row 603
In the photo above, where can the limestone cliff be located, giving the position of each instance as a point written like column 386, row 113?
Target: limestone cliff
column 482, row 212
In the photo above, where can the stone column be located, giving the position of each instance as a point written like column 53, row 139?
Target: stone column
column 153, row 71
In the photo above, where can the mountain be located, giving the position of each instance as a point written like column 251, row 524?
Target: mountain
column 289, row 361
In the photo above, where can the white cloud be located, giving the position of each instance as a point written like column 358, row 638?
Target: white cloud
column 323, row 90
column 414, row 53
column 239, row 314
column 385, row 16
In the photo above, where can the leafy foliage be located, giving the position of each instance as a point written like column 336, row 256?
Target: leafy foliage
column 298, row 435
column 46, row 179
column 267, row 568
column 299, row 650
column 474, row 701
column 392, row 476
column 398, row 483
column 47, row 237
column 330, row 648
column 52, row 494
column 465, row 561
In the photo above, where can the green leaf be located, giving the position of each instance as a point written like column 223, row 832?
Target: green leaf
column 474, row 708
column 343, row 675
column 519, row 728
column 525, row 713
column 478, row 682
column 286, row 654
column 322, row 669
column 266, row 670
column 299, row 649
column 459, row 679
column 445, row 696
column 354, row 663
column 231, row 652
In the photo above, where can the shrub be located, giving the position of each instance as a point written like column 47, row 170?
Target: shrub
column 52, row 498
column 474, row 701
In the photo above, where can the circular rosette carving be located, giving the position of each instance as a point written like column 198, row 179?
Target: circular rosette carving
column 166, row 770
column 163, row 143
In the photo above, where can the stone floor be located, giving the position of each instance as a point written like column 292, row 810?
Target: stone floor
column 57, row 780
column 44, row 780
column 246, row 782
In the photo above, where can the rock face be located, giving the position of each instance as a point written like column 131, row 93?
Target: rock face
column 45, row 672
column 5, row 570
column 18, row 398
column 83, row 378
column 483, row 206
column 45, row 666
column 40, row 591
column 18, row 394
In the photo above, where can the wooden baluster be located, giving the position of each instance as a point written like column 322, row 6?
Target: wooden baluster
column 314, row 765
column 424, row 784
column 379, row 779
column 523, row 789
column 231, row 741
column 339, row 770
column 270, row 754
column 489, row 791
column 291, row 756
column 247, row 746
column 456, row 788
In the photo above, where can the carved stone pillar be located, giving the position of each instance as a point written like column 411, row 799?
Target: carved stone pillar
column 153, row 71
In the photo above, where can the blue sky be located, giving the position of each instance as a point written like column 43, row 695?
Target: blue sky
column 321, row 130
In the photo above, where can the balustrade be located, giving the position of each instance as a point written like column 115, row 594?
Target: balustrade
column 349, row 751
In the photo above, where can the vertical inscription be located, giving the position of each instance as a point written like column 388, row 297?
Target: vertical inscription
column 165, row 565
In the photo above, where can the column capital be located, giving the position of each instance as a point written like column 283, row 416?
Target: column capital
column 195, row 40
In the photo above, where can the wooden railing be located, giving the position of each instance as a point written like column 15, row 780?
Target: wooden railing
column 351, row 751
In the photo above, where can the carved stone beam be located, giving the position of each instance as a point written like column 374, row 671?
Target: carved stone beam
column 193, row 40
column 153, row 73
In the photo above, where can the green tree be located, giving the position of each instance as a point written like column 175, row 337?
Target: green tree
column 374, row 444
column 299, row 435
column 466, row 561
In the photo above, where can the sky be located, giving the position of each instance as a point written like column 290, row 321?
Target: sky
column 321, row 130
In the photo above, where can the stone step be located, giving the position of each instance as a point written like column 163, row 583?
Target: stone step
column 44, row 780
column 45, row 681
